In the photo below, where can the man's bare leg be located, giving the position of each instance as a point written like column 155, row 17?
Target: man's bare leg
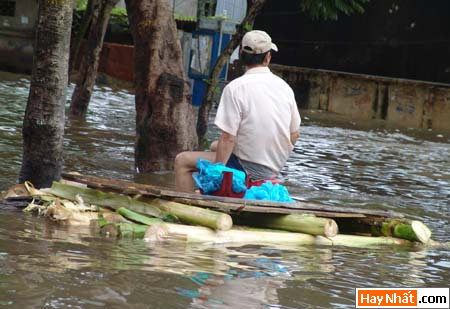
column 185, row 165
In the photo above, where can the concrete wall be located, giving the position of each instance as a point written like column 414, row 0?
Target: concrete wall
column 397, row 102
column 16, row 37
column 24, row 19
column 117, row 60
column 185, row 8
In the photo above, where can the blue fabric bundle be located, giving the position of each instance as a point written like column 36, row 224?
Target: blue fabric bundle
column 268, row 191
column 209, row 178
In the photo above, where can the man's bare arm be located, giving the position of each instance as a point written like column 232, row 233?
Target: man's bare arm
column 294, row 136
column 225, row 147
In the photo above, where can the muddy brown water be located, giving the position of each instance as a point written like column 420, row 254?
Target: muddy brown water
column 48, row 266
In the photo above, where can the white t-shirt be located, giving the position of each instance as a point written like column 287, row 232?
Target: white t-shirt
column 259, row 109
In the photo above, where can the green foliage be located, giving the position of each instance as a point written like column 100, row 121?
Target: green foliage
column 248, row 27
column 81, row 4
column 118, row 20
column 218, row 17
column 122, row 12
column 76, row 19
column 205, row 144
column 329, row 9
column 101, row 220
column 185, row 18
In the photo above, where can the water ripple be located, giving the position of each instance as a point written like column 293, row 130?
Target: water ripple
column 50, row 266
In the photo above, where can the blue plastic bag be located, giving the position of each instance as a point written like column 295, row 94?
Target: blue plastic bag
column 209, row 178
column 269, row 192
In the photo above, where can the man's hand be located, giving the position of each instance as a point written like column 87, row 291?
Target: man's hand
column 225, row 147
column 294, row 137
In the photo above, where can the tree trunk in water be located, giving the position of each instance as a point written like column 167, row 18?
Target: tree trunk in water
column 43, row 124
column 203, row 112
column 75, row 44
column 81, row 96
column 165, row 118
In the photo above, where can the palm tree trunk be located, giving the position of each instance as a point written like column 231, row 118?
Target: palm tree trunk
column 43, row 124
column 81, row 96
column 241, row 29
column 165, row 118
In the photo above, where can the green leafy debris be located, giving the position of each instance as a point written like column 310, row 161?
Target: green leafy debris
column 329, row 9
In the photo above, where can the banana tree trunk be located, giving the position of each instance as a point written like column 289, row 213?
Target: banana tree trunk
column 411, row 230
column 307, row 224
column 241, row 235
column 137, row 217
column 195, row 215
column 106, row 199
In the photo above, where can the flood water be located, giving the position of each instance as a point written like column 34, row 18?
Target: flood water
column 48, row 266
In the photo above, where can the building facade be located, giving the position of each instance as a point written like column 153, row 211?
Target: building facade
column 17, row 24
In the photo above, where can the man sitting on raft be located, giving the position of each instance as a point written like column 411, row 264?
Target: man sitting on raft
column 258, row 117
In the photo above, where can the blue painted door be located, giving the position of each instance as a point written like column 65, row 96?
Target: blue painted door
column 204, row 54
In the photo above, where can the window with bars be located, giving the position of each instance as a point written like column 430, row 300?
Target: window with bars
column 7, row 8
column 206, row 8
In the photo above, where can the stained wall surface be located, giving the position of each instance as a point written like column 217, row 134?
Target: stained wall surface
column 397, row 102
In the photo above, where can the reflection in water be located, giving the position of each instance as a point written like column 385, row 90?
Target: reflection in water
column 49, row 266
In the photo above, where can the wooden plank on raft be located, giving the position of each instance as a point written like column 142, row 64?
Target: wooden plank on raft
column 236, row 208
column 227, row 204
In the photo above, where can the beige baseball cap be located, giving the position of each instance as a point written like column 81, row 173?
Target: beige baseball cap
column 257, row 42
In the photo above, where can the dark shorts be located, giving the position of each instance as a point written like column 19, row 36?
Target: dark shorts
column 233, row 162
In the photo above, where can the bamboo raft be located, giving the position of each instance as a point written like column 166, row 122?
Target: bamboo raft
column 227, row 204
column 155, row 213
